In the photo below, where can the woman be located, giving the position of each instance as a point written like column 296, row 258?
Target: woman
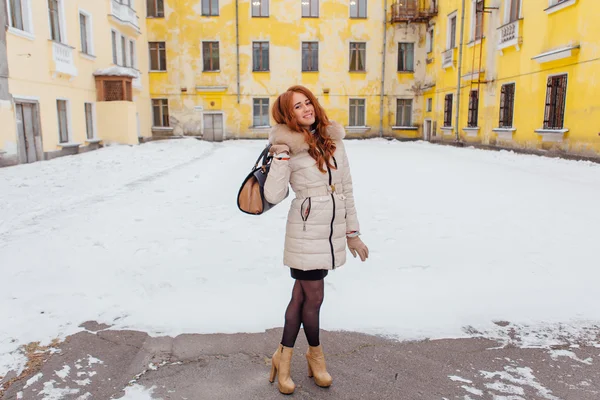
column 309, row 154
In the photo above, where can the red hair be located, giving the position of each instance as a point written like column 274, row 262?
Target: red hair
column 320, row 146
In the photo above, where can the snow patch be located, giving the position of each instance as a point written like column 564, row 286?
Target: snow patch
column 521, row 376
column 33, row 380
column 83, row 382
column 52, row 393
column 63, row 373
column 93, row 360
column 472, row 390
column 459, row 379
column 555, row 354
column 138, row 392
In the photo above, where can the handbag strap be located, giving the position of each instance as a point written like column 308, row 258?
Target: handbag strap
column 263, row 155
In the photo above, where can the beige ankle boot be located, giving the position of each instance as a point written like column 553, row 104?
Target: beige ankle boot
column 280, row 365
column 316, row 366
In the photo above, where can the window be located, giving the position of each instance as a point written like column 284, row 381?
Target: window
column 54, row 16
column 404, row 112
column 473, row 108
column 85, row 28
column 310, row 8
column 357, row 112
column 514, row 11
column 160, row 112
column 19, row 15
column 16, row 14
column 260, row 112
column 158, row 56
column 124, row 61
column 310, row 56
column 63, row 121
column 507, row 105
column 406, row 57
column 429, row 40
column 357, row 56
column 448, row 110
column 260, row 8
column 260, row 56
column 358, row 8
column 210, row 7
column 132, row 62
column 451, row 41
column 477, row 21
column 113, row 35
column 210, row 54
column 429, row 104
column 556, row 96
column 89, row 120
column 156, row 8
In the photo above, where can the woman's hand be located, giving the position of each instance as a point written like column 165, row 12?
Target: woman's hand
column 279, row 149
column 355, row 245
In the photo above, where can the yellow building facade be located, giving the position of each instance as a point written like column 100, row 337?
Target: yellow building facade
column 220, row 64
column 77, row 77
column 527, row 72
column 493, row 73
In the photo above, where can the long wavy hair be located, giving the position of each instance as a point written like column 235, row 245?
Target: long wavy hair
column 320, row 146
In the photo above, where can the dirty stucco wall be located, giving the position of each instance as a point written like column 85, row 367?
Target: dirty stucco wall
column 8, row 144
column 539, row 29
column 192, row 92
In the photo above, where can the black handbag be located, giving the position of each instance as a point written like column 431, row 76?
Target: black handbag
column 251, row 197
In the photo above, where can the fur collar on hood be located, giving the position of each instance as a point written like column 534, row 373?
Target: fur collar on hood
column 281, row 134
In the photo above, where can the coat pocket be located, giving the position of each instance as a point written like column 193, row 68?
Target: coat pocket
column 305, row 208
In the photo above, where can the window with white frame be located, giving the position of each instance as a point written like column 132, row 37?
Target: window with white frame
column 477, row 19
column 429, row 104
column 512, row 10
column 89, row 120
column 56, row 17
column 358, row 8
column 260, row 112
column 85, row 30
column 406, row 57
column 63, row 120
column 451, row 34
column 115, row 52
column 260, row 8
column 124, row 61
column 310, row 8
column 132, row 54
column 404, row 112
column 158, row 56
column 429, row 40
column 160, row 112
column 155, row 8
column 357, row 112
column 19, row 15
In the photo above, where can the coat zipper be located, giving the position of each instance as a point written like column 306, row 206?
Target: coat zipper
column 332, row 217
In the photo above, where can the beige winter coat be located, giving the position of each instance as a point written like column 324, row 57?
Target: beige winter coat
column 323, row 210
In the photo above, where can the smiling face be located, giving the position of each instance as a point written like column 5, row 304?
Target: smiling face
column 304, row 110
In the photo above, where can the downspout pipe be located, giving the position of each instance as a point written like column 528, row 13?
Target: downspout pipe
column 237, row 47
column 460, row 56
column 383, row 68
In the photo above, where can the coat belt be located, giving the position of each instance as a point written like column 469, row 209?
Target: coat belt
column 322, row 190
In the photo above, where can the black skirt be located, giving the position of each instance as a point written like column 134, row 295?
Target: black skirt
column 312, row 275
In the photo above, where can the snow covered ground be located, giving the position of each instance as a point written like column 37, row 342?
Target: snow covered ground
column 149, row 238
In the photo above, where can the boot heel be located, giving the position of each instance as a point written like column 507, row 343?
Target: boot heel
column 310, row 373
column 272, row 375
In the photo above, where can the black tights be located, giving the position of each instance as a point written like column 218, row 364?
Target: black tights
column 304, row 308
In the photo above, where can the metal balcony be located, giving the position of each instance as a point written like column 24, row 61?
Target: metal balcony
column 414, row 10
